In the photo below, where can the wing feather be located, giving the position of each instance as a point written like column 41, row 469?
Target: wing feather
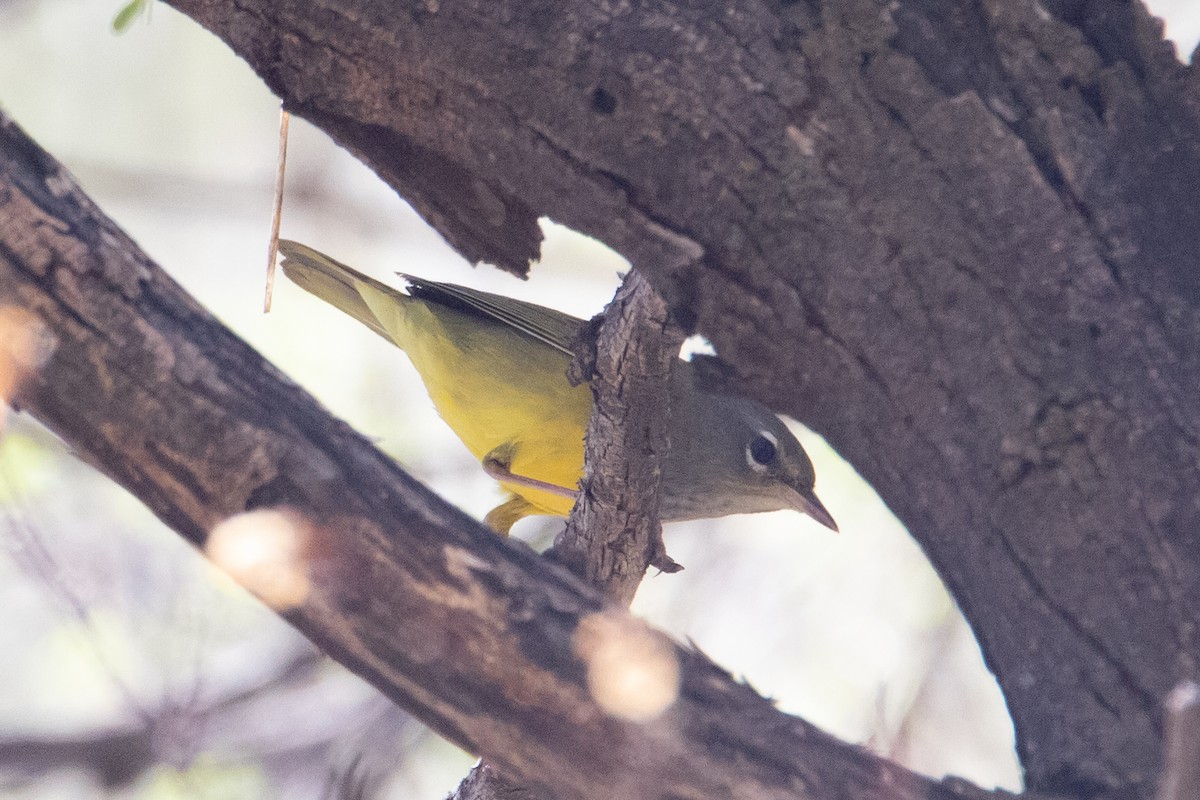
column 544, row 324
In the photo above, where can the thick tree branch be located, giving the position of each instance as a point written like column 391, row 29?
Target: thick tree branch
column 959, row 239
column 489, row 644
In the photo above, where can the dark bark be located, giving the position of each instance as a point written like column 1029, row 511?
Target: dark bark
column 958, row 239
column 614, row 532
column 492, row 646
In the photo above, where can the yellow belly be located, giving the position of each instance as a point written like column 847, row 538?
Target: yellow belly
column 497, row 388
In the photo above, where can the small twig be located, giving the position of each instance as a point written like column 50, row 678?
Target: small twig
column 1181, row 745
column 277, row 214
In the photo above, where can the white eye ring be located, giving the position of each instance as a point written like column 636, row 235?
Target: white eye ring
column 762, row 451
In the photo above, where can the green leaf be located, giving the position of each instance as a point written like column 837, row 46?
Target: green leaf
column 128, row 14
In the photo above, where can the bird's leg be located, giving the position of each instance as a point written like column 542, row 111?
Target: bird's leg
column 504, row 516
column 496, row 466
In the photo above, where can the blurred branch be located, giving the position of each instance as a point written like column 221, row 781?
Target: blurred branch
column 31, row 554
column 492, row 646
column 116, row 757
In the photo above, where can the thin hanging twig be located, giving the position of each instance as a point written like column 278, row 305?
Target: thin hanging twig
column 273, row 247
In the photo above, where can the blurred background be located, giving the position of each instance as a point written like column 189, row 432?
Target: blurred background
column 130, row 668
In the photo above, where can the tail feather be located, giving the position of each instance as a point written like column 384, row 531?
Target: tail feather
column 333, row 282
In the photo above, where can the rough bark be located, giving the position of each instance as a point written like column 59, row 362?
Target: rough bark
column 614, row 532
column 958, row 239
column 494, row 647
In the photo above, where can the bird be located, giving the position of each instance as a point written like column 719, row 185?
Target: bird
column 496, row 370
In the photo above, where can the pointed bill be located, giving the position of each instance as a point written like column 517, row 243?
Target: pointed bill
column 806, row 502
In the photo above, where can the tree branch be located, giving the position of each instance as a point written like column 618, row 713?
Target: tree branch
column 492, row 646
column 115, row 757
column 614, row 532
column 959, row 242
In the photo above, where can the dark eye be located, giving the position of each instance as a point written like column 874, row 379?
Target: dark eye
column 761, row 451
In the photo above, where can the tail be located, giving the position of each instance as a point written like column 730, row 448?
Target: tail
column 335, row 283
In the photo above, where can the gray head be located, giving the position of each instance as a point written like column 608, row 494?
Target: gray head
column 731, row 455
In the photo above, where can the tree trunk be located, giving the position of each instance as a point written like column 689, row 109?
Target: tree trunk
column 958, row 239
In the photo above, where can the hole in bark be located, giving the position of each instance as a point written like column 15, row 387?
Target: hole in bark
column 684, row 318
column 277, row 492
column 603, row 102
column 1095, row 100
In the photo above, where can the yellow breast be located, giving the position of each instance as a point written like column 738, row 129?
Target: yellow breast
column 495, row 387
